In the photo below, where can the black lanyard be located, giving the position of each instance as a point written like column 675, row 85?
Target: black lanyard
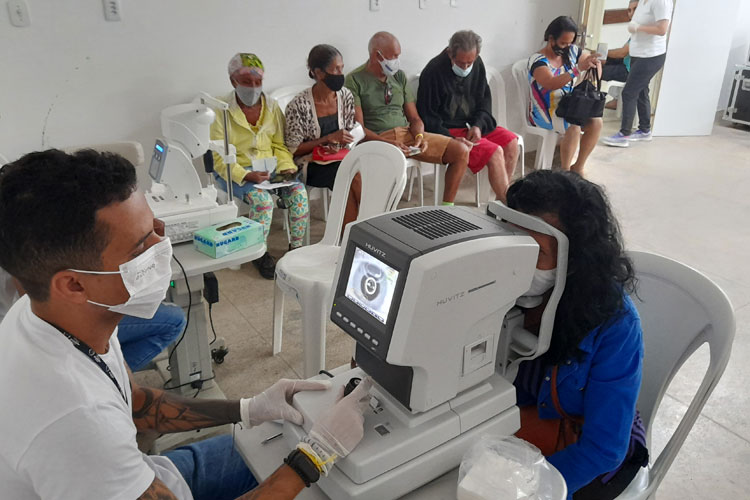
column 93, row 356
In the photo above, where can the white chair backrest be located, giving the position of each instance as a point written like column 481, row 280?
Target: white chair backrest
column 284, row 95
column 497, row 87
column 383, row 171
column 413, row 83
column 520, row 76
column 680, row 310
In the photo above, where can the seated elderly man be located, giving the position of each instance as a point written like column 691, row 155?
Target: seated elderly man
column 256, row 128
column 384, row 105
column 70, row 408
column 454, row 100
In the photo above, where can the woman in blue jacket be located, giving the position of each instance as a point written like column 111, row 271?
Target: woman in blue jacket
column 597, row 343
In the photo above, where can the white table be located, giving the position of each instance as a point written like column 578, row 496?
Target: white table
column 191, row 361
column 264, row 459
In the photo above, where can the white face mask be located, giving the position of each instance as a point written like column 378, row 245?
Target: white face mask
column 146, row 278
column 542, row 281
column 248, row 95
column 459, row 71
column 390, row 66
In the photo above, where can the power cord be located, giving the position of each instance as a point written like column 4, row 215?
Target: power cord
column 187, row 322
column 211, row 322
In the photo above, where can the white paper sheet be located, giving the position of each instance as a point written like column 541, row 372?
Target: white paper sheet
column 358, row 133
column 273, row 185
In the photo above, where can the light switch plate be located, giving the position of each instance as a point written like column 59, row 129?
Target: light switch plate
column 374, row 5
column 18, row 12
column 422, row 4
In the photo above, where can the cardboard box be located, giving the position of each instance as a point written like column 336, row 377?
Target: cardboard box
column 227, row 237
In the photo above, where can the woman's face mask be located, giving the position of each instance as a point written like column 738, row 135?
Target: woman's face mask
column 146, row 279
column 543, row 280
column 560, row 51
column 334, row 82
column 248, row 95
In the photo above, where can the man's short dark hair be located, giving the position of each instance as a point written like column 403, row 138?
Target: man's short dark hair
column 48, row 205
column 465, row 41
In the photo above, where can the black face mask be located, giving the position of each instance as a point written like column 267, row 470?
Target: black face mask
column 560, row 51
column 334, row 82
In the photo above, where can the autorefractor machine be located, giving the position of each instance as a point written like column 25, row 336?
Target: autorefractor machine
column 429, row 294
column 176, row 195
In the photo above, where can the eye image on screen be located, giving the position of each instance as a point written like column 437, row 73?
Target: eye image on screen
column 371, row 284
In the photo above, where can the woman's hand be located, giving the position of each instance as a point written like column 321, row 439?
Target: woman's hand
column 257, row 177
column 587, row 61
column 340, row 136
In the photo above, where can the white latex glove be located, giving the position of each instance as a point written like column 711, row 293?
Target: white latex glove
column 276, row 402
column 340, row 429
column 633, row 27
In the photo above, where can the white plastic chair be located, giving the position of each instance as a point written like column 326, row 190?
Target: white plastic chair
column 546, row 151
column 307, row 272
column 497, row 87
column 283, row 96
column 614, row 88
column 680, row 310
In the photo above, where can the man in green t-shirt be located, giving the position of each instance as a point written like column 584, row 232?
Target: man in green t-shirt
column 385, row 106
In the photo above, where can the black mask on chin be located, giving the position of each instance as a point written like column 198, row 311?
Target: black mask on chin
column 334, row 82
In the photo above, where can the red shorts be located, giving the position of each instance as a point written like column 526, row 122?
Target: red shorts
column 481, row 152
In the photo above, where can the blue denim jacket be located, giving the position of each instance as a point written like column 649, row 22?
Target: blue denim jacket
column 602, row 387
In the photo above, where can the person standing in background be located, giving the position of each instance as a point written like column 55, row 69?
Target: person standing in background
column 648, row 50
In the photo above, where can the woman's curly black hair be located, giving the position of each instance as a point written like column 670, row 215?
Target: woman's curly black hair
column 599, row 271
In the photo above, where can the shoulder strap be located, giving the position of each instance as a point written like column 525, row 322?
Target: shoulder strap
column 556, row 399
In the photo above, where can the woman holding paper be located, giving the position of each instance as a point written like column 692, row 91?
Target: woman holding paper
column 320, row 125
column 257, row 131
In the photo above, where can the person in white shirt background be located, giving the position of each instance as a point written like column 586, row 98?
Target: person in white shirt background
column 70, row 408
column 648, row 50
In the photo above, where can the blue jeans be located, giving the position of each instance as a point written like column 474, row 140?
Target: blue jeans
column 213, row 469
column 142, row 340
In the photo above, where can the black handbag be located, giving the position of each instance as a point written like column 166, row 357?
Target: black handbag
column 584, row 102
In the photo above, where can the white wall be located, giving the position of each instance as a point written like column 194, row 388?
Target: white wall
column 739, row 51
column 72, row 78
column 699, row 42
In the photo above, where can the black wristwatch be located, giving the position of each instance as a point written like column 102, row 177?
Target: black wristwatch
column 303, row 466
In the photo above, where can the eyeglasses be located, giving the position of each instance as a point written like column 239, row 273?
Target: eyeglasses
column 388, row 93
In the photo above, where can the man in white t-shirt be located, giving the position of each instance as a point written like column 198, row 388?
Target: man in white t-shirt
column 648, row 50
column 70, row 410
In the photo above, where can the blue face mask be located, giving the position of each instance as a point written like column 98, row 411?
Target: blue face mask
column 463, row 73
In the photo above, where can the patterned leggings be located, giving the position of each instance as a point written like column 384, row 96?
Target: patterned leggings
column 295, row 199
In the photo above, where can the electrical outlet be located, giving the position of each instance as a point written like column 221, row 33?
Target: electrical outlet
column 18, row 12
column 422, row 4
column 374, row 5
column 111, row 10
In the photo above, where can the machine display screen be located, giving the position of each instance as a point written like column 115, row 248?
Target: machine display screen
column 371, row 284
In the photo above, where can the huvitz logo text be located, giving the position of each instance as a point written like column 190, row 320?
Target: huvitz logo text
column 450, row 299
column 374, row 250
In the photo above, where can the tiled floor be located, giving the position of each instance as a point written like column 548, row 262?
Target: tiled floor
column 686, row 198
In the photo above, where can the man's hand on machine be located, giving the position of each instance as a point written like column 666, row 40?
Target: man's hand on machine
column 339, row 430
column 276, row 402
